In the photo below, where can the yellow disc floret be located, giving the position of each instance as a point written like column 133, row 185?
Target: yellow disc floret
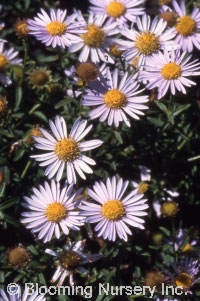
column 171, row 71
column 113, row 210
column 3, row 104
column 67, row 149
column 35, row 131
column 184, row 280
column 18, row 257
column 143, row 187
column 147, row 43
column 56, row 28
column 70, row 260
column 187, row 248
column 164, row 2
column 115, row 9
column 3, row 63
column 21, row 27
column 114, row 50
column 39, row 77
column 114, row 99
column 154, row 279
column 55, row 212
column 87, row 71
column 186, row 26
column 94, row 37
column 170, row 17
column 169, row 209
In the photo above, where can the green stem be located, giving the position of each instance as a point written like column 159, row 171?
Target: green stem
column 194, row 158
column 25, row 169
column 60, row 58
column 25, row 46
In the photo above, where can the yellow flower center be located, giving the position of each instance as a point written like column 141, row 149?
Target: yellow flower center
column 21, row 27
column 87, row 71
column 113, row 210
column 115, row 9
column 70, row 260
column 94, row 37
column 187, row 248
column 164, row 2
column 56, row 28
column 35, row 131
column 18, row 257
column 169, row 209
column 154, row 279
column 3, row 63
column 147, row 43
column 143, row 187
column 170, row 17
column 39, row 77
column 115, row 51
column 184, row 280
column 55, row 212
column 186, row 26
column 3, row 103
column 67, row 149
column 171, row 71
column 114, row 99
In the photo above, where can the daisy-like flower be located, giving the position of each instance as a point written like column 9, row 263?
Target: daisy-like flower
column 56, row 29
column 51, row 209
column 18, row 257
column 148, row 40
column 70, row 259
column 167, row 207
column 82, row 74
column 16, row 294
column 170, row 71
column 120, row 10
column 187, row 27
column 115, row 98
column 96, row 41
column 114, row 211
column 40, row 77
column 20, row 28
column 7, row 58
column 66, row 150
column 145, row 176
column 186, row 273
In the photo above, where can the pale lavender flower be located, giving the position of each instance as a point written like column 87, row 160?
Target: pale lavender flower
column 65, row 151
column 111, row 211
column 56, row 29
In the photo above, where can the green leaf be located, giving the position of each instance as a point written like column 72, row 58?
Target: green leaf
column 156, row 121
column 7, row 204
column 19, row 93
column 181, row 109
column 118, row 137
column 164, row 230
column 40, row 115
column 2, row 189
column 47, row 59
column 162, row 107
column 33, row 250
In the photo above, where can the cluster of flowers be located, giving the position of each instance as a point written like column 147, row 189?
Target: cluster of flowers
column 157, row 53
